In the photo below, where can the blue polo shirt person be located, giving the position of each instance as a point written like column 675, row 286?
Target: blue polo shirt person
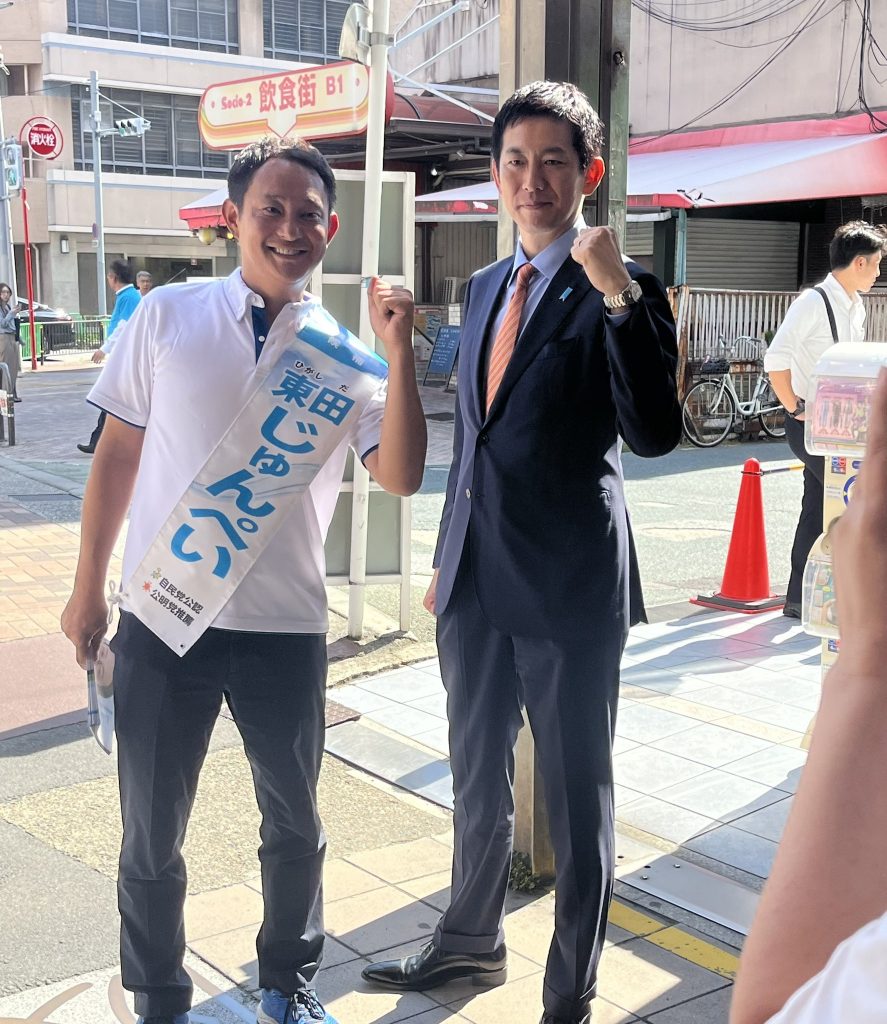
column 194, row 356
column 126, row 298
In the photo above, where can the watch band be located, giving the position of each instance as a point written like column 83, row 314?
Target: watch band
column 628, row 297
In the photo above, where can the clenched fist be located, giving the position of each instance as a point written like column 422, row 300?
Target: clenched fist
column 597, row 251
column 391, row 316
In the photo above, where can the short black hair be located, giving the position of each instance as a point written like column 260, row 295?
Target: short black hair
column 121, row 270
column 856, row 238
column 249, row 160
column 561, row 101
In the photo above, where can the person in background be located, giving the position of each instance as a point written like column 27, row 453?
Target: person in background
column 10, row 351
column 144, row 282
column 126, row 298
column 817, row 950
column 830, row 312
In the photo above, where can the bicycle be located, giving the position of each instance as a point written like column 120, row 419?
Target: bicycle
column 711, row 407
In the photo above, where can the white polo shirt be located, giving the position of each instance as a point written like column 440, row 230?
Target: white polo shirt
column 805, row 332
column 852, row 986
column 186, row 370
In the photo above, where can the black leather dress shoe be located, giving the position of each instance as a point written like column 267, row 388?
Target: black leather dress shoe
column 431, row 967
column 791, row 610
column 548, row 1018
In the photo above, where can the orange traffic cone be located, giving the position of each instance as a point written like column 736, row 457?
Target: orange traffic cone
column 746, row 583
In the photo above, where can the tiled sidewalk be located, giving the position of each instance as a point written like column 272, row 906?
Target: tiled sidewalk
column 713, row 713
column 385, row 903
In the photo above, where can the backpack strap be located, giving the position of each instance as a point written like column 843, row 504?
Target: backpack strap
column 830, row 312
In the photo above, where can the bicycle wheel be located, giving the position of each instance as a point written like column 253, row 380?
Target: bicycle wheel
column 709, row 412
column 772, row 414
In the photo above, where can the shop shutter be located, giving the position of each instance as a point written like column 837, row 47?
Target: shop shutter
column 639, row 238
column 742, row 254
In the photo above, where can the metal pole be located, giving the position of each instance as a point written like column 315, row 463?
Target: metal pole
column 95, row 124
column 369, row 268
column 29, row 278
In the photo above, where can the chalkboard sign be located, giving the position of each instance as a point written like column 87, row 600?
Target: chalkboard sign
column 446, row 348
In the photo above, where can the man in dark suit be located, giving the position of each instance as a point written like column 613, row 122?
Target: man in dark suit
column 566, row 348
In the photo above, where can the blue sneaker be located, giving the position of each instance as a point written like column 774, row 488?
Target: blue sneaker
column 302, row 1008
column 179, row 1018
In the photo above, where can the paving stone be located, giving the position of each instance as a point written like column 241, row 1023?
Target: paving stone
column 647, row 770
column 222, row 910
column 779, row 767
column 348, row 998
column 377, row 920
column 717, row 794
column 341, row 880
column 648, row 979
column 769, row 822
column 737, row 848
column 712, row 1008
column 402, row 861
column 711, row 744
column 643, row 723
column 658, row 818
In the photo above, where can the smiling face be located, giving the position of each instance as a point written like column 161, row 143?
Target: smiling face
column 540, row 180
column 283, row 227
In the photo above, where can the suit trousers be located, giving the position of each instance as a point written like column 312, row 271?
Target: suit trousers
column 810, row 522
column 165, row 710
column 570, row 689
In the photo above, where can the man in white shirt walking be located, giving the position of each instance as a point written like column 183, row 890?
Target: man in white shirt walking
column 830, row 312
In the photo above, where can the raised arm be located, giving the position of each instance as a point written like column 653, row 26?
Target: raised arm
column 641, row 347
column 399, row 461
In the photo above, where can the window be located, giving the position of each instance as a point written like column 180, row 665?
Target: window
column 306, row 30
column 193, row 24
column 172, row 146
column 16, row 82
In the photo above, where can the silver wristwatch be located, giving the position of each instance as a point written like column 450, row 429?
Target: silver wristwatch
column 629, row 296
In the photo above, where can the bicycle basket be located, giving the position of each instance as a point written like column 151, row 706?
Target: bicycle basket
column 716, row 366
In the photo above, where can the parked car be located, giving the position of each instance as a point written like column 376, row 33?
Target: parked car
column 58, row 326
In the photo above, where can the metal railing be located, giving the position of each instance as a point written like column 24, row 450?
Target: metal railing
column 64, row 336
column 706, row 317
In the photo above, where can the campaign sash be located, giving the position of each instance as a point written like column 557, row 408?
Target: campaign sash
column 292, row 422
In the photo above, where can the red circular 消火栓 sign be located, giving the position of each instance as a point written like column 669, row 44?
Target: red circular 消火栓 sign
column 43, row 137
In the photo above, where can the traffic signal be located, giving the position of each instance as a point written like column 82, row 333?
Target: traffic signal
column 130, row 126
column 13, row 172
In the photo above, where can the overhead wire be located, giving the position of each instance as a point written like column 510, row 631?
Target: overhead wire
column 802, row 27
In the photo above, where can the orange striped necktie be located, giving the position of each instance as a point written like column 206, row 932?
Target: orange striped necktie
column 506, row 338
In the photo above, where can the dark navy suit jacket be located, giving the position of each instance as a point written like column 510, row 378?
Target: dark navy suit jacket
column 535, row 493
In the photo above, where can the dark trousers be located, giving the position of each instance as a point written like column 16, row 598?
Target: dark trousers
column 165, row 709
column 570, row 689
column 99, row 427
column 810, row 522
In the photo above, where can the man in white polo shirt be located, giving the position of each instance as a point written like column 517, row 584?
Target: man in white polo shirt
column 830, row 312
column 194, row 356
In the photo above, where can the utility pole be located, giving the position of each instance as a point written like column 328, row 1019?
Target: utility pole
column 95, row 126
column 379, row 43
